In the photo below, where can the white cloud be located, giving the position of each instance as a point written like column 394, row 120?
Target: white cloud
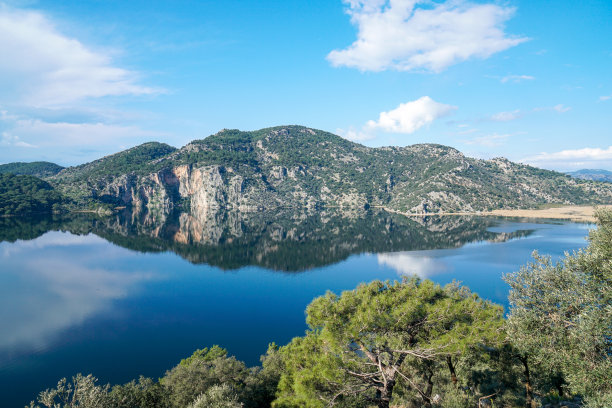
column 407, row 35
column 411, row 116
column 40, row 66
column 45, row 302
column 516, row 78
column 355, row 135
column 605, row 98
column 7, row 139
column 488, row 140
column 591, row 157
column 74, row 143
column 409, row 264
column 506, row 116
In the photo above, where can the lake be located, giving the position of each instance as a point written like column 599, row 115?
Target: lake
column 134, row 293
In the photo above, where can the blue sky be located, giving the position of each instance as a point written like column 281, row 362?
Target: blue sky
column 527, row 80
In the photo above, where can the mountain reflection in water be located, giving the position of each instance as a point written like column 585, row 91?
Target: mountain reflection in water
column 284, row 241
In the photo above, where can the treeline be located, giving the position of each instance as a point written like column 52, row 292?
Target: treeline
column 38, row 169
column 24, row 194
column 412, row 344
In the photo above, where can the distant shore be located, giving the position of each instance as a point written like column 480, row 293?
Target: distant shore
column 571, row 212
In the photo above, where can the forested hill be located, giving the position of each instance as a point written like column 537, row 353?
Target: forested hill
column 23, row 194
column 37, row 169
column 298, row 166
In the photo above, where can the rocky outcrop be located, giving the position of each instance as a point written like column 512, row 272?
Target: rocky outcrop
column 299, row 167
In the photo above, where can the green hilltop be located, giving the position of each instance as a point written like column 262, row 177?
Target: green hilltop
column 37, row 169
column 295, row 166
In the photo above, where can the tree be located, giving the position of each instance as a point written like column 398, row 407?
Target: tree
column 203, row 369
column 561, row 315
column 218, row 396
column 82, row 391
column 363, row 343
column 144, row 393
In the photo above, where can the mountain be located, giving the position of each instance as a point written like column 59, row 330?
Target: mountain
column 295, row 166
column 592, row 174
column 37, row 169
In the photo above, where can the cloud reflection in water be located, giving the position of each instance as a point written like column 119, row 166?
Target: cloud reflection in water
column 40, row 297
column 412, row 263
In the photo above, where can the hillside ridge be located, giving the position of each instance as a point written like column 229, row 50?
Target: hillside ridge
column 297, row 166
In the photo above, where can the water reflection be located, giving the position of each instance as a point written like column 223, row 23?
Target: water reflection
column 282, row 241
column 60, row 271
column 46, row 293
column 408, row 264
column 79, row 293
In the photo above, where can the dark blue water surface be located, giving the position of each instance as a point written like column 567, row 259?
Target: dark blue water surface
column 124, row 296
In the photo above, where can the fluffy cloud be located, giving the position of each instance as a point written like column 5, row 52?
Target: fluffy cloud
column 605, row 98
column 43, row 67
column 406, row 118
column 409, row 35
column 588, row 157
column 410, row 116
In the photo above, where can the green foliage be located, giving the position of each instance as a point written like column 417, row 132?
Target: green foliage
column 37, row 169
column 204, row 354
column 140, row 159
column 144, row 393
column 561, row 315
column 364, row 342
column 294, row 166
column 81, row 391
column 218, row 396
column 208, row 368
column 21, row 195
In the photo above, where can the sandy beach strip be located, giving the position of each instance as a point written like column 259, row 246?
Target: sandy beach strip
column 571, row 212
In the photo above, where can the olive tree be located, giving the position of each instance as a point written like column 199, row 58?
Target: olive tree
column 561, row 315
column 81, row 391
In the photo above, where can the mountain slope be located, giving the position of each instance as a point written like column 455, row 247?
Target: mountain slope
column 297, row 166
column 592, row 174
column 24, row 194
column 37, row 169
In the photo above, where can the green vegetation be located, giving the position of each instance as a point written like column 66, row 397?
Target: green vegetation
column 21, row 195
column 411, row 344
column 561, row 316
column 138, row 159
column 38, row 169
column 364, row 344
column 294, row 166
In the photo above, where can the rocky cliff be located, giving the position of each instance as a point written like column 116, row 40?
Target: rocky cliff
column 294, row 166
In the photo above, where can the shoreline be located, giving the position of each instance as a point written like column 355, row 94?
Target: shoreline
column 577, row 213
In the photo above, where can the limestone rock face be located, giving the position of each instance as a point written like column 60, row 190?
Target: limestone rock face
column 297, row 167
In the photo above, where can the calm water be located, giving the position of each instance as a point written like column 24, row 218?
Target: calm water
column 133, row 294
